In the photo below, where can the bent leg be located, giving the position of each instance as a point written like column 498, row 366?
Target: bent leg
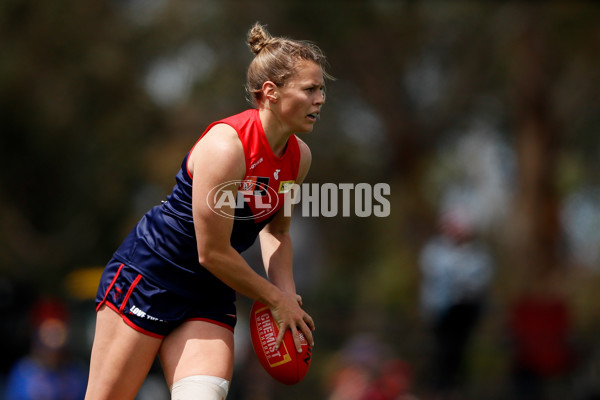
column 121, row 358
column 197, row 348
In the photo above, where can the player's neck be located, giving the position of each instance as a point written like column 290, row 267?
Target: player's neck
column 275, row 132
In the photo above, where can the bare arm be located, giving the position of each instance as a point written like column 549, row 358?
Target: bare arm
column 216, row 159
column 276, row 248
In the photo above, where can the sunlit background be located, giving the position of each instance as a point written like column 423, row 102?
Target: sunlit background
column 482, row 111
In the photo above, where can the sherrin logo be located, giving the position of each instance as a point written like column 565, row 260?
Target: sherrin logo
column 226, row 198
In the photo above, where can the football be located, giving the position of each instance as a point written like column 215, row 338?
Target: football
column 285, row 364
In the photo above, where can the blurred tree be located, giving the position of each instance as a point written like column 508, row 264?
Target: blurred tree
column 535, row 224
column 72, row 118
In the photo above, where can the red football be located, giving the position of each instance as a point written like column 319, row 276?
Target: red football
column 284, row 364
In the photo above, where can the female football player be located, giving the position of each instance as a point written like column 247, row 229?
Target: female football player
column 169, row 289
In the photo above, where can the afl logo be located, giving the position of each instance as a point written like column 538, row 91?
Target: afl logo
column 254, row 191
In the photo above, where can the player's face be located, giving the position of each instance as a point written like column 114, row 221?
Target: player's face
column 302, row 97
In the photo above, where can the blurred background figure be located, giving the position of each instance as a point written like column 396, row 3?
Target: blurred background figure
column 456, row 274
column 47, row 372
column 366, row 370
column 541, row 332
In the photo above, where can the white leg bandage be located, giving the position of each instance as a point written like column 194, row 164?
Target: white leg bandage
column 200, row 387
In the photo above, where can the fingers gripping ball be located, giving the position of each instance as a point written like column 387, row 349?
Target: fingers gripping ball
column 285, row 364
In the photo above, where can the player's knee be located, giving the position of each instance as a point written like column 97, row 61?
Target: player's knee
column 200, row 387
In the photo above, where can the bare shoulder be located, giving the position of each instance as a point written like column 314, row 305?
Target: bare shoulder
column 219, row 147
column 304, row 150
column 221, row 137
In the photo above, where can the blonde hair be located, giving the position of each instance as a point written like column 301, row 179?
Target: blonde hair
column 276, row 60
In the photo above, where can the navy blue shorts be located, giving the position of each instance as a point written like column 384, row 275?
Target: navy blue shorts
column 151, row 309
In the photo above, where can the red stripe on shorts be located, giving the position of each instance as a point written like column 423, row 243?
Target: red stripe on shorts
column 112, row 283
column 133, row 285
column 212, row 321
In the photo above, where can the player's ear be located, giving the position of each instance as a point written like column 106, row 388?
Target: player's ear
column 270, row 91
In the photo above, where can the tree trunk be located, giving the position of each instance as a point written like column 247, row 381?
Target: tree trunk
column 534, row 228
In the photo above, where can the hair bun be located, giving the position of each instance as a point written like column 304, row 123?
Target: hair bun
column 258, row 38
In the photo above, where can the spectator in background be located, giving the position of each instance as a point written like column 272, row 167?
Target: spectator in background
column 47, row 372
column 367, row 370
column 541, row 332
column 456, row 274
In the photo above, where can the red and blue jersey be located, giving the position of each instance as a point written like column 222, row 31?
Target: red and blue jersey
column 162, row 246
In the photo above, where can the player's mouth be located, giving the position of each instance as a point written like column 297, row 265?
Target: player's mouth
column 313, row 116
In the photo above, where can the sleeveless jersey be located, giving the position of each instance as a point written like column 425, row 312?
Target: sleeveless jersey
column 162, row 246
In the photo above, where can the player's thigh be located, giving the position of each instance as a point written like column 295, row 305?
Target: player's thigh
column 121, row 358
column 197, row 348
